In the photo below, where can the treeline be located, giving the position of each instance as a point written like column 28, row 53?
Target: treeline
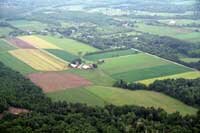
column 186, row 90
column 108, row 50
column 56, row 117
column 15, row 90
column 78, row 118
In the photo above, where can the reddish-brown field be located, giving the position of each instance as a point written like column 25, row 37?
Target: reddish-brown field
column 53, row 81
column 20, row 43
column 17, row 111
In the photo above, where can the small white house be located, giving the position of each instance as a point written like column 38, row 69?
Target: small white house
column 172, row 22
column 86, row 66
column 74, row 65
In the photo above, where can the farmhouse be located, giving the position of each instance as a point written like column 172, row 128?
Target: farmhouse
column 82, row 66
column 172, row 22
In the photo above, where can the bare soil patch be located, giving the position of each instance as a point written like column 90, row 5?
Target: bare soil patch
column 55, row 81
column 17, row 111
column 20, row 43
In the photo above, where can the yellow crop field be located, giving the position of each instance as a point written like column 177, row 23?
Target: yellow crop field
column 39, row 60
column 38, row 42
column 186, row 75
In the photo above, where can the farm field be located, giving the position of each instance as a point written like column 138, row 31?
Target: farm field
column 130, row 62
column 161, row 30
column 189, row 60
column 20, row 44
column 116, row 96
column 4, row 46
column 139, row 67
column 97, row 77
column 179, row 33
column 19, row 66
column 28, row 25
column 39, row 60
column 187, row 75
column 192, row 37
column 151, row 72
column 181, row 21
column 78, row 95
column 69, row 45
column 109, row 54
column 63, row 54
column 4, row 31
column 55, row 81
column 38, row 42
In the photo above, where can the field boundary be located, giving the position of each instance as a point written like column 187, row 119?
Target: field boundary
column 166, row 60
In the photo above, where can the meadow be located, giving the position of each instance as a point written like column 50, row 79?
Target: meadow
column 181, row 21
column 190, row 60
column 69, row 45
column 161, row 30
column 99, row 95
column 151, row 72
column 4, row 46
column 186, row 75
column 19, row 66
column 109, row 54
column 77, row 96
column 28, row 25
column 97, row 76
column 176, row 32
column 130, row 62
column 4, row 31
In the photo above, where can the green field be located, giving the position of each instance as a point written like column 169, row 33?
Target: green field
column 69, row 45
column 4, row 31
column 77, row 96
column 97, row 77
column 130, row 62
column 98, row 95
column 175, row 32
column 63, row 54
column 151, row 72
column 181, row 21
column 161, row 30
column 15, row 64
column 109, row 54
column 189, row 60
column 192, row 37
column 187, row 75
column 28, row 25
column 4, row 46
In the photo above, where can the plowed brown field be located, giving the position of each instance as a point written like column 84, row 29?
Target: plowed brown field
column 54, row 81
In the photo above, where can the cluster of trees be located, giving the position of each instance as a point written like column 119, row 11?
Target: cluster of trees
column 48, row 116
column 186, row 90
